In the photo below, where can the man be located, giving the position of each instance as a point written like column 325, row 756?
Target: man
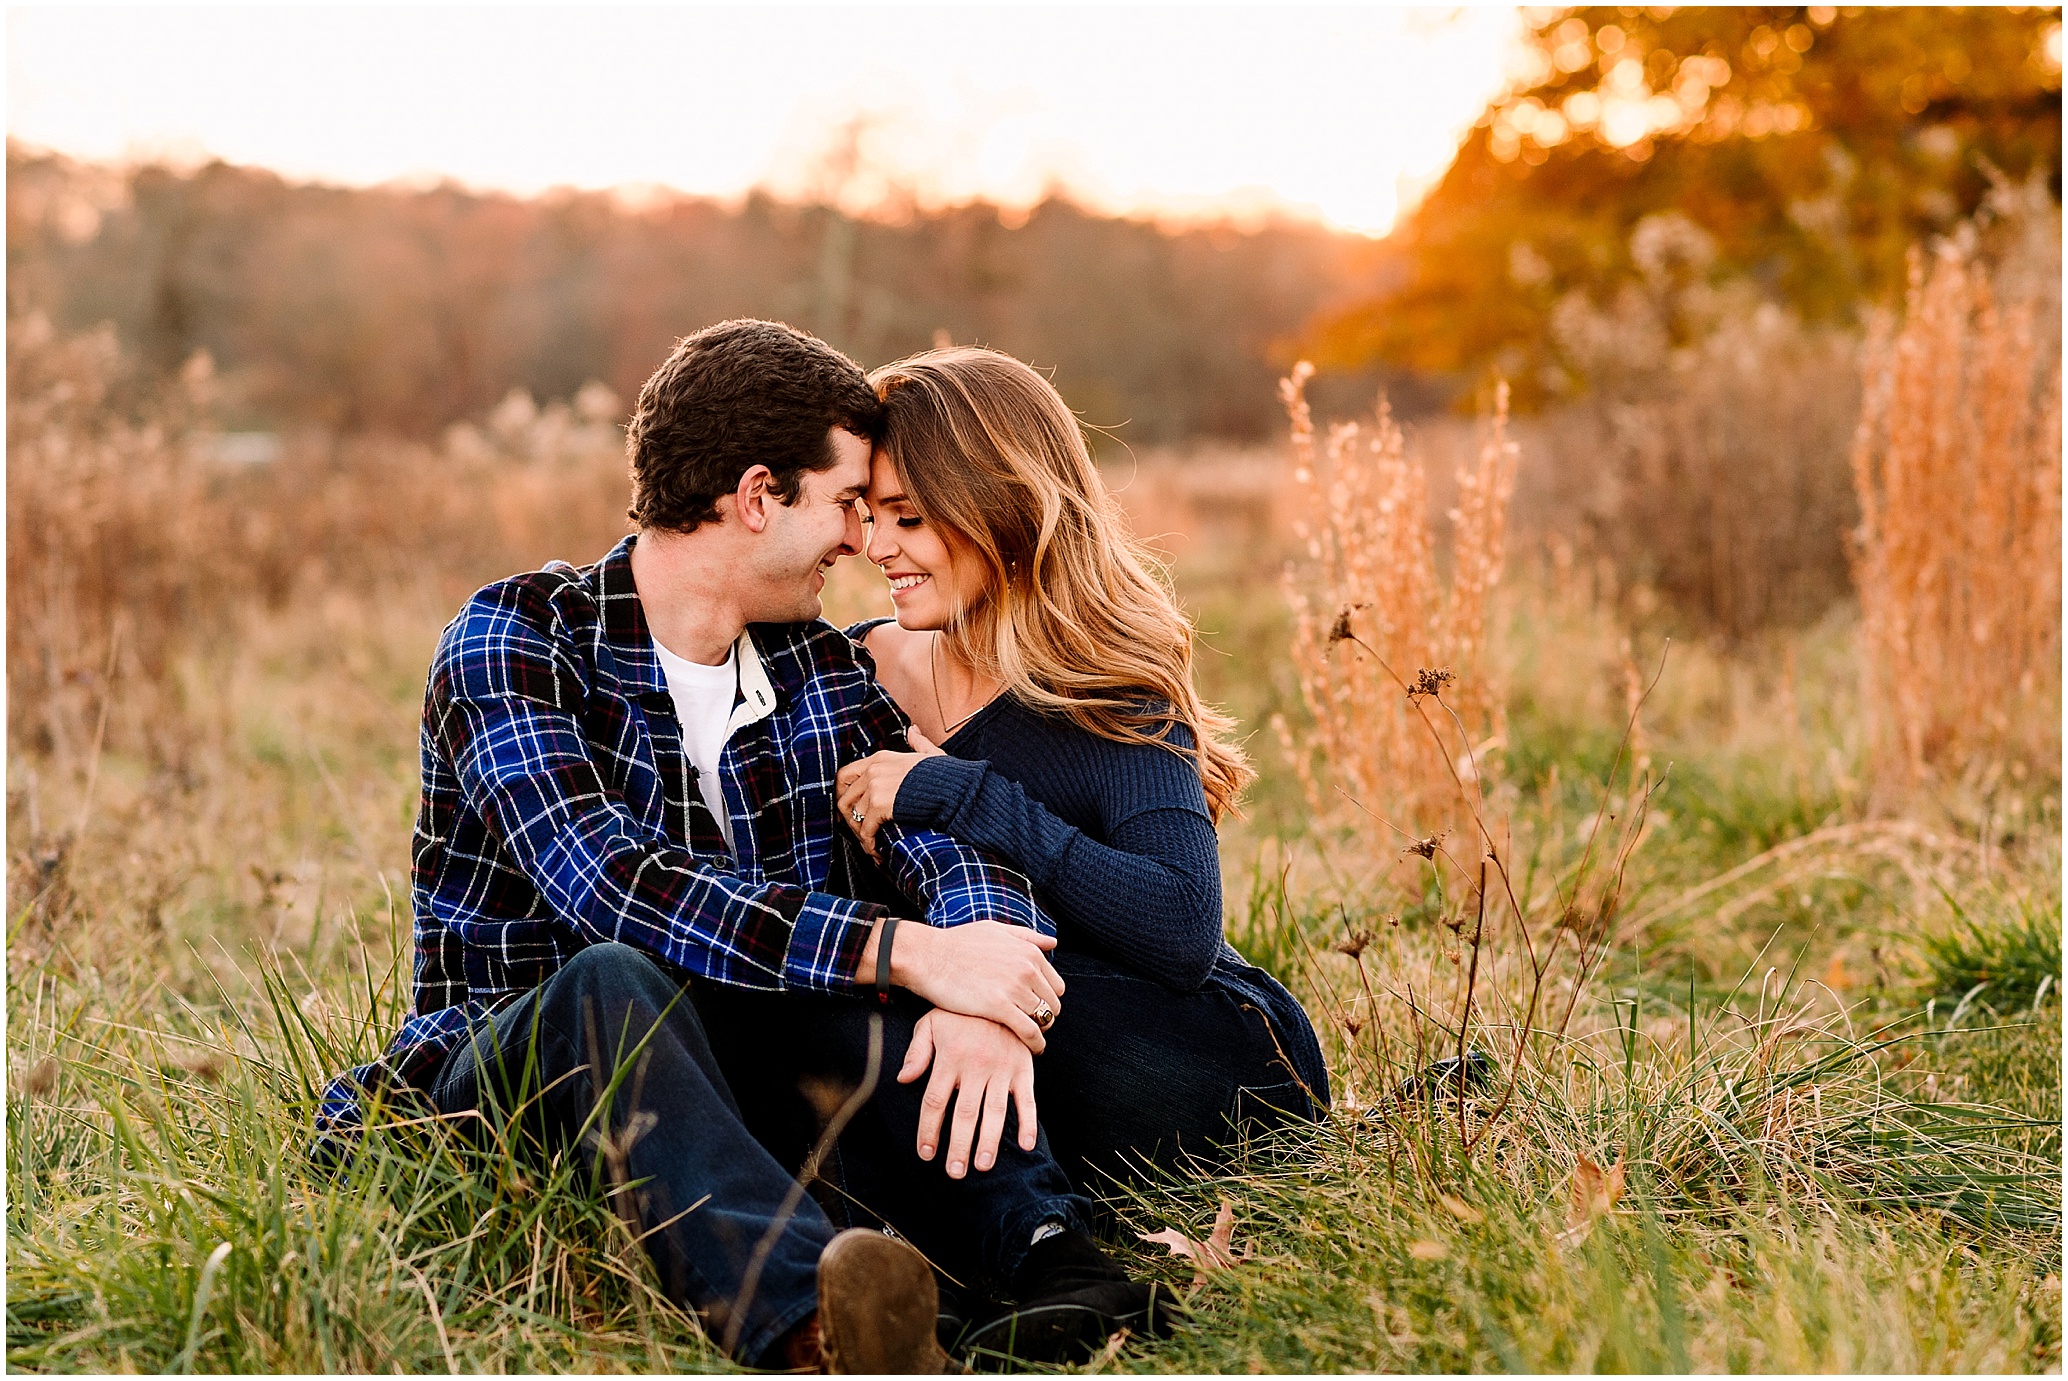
column 627, row 877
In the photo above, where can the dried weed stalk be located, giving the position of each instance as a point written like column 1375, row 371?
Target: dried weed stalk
column 1957, row 461
column 1372, row 610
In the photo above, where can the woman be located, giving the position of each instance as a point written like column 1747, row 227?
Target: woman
column 1033, row 645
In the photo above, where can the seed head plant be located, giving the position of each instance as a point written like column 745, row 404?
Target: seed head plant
column 1957, row 461
column 1371, row 610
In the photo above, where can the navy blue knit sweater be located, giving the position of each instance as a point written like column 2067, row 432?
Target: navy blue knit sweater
column 1115, row 836
column 1118, row 842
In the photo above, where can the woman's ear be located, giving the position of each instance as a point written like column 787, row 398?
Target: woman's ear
column 751, row 497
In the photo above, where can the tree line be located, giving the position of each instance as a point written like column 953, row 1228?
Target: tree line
column 405, row 309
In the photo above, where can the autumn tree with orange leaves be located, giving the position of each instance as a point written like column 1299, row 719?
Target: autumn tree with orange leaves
column 1812, row 145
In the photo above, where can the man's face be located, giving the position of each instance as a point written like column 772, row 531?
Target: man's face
column 804, row 539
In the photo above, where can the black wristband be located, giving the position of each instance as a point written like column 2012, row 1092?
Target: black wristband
column 890, row 928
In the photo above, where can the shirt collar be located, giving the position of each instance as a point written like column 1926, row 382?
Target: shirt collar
column 624, row 623
column 755, row 698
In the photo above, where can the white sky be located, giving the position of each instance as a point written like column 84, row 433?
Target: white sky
column 1338, row 112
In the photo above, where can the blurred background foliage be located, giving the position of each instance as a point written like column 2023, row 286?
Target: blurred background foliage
column 1802, row 149
column 1668, row 238
column 401, row 311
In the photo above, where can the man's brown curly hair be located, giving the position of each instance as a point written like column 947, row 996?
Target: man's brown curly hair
column 733, row 396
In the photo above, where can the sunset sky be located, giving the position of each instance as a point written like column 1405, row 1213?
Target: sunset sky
column 1338, row 113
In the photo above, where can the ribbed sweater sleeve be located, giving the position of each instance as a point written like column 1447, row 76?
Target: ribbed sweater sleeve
column 1149, row 893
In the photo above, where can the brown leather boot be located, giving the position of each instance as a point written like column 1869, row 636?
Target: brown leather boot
column 877, row 1303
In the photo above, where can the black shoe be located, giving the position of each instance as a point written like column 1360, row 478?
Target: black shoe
column 1072, row 1297
column 951, row 1319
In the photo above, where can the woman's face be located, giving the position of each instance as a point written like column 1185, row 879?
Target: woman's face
column 934, row 575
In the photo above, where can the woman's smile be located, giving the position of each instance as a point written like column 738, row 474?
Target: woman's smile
column 931, row 581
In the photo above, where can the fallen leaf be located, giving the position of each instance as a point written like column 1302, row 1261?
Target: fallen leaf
column 1461, row 1210
column 1594, row 1192
column 1216, row 1253
column 1179, row 1244
column 1220, row 1242
column 206, row 1065
column 42, row 1076
column 1427, row 1251
column 1111, row 1350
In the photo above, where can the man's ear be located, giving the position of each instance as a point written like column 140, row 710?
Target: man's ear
column 751, row 498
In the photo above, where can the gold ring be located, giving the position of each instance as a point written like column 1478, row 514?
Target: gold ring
column 1044, row 1016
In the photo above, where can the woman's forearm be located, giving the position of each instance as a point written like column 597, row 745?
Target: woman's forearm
column 1152, row 896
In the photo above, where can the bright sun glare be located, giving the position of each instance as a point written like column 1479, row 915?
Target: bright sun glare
column 1339, row 113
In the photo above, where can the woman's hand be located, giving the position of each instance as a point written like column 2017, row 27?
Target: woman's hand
column 982, row 969
column 868, row 789
column 980, row 1065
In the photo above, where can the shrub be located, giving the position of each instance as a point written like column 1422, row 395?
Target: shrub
column 1707, row 459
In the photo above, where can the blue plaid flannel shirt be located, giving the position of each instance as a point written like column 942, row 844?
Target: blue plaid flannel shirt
column 559, row 811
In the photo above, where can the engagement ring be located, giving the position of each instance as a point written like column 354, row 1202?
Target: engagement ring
column 857, row 817
column 1044, row 1016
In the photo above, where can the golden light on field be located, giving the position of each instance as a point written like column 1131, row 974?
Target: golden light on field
column 1339, row 113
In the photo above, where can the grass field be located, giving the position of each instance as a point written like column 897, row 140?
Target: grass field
column 1801, row 1112
column 1774, row 1025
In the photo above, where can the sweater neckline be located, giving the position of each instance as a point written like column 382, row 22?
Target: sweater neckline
column 975, row 723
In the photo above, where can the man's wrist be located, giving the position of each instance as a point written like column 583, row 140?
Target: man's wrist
column 915, row 943
column 908, row 952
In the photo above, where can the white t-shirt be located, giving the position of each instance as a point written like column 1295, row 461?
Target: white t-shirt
column 703, row 697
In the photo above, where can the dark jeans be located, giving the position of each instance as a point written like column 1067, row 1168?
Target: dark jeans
column 613, row 1031
column 793, row 1057
column 1136, row 1071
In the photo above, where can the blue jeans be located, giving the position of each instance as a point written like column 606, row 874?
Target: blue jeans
column 792, row 1056
column 614, row 1030
column 1137, row 1072
column 611, row 1030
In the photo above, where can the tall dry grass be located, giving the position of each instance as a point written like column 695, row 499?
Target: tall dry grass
column 1529, row 945
column 1374, row 623
column 1957, row 462
column 133, row 547
column 186, row 632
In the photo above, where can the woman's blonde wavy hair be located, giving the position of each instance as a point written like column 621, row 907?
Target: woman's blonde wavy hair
column 1077, row 620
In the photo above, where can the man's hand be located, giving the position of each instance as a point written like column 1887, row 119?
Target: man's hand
column 869, row 788
column 983, row 969
column 980, row 1065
